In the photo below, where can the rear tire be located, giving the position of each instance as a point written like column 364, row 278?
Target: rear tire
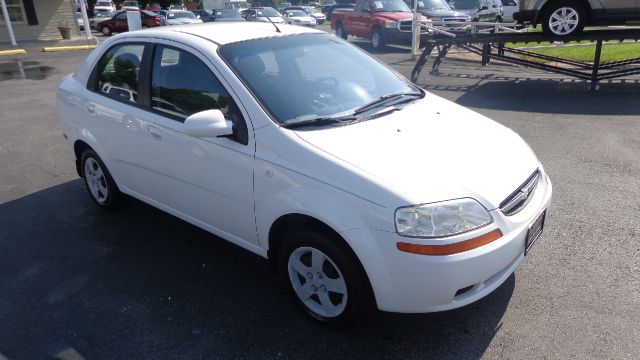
column 106, row 31
column 340, row 31
column 323, row 279
column 101, row 186
column 564, row 18
column 377, row 40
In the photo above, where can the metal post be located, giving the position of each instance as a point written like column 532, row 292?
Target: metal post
column 415, row 32
column 5, row 13
column 596, row 67
column 85, row 19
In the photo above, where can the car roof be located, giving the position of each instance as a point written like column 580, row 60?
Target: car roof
column 225, row 33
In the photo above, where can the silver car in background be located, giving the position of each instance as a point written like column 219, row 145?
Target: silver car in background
column 569, row 17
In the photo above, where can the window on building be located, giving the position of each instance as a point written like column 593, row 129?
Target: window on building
column 16, row 12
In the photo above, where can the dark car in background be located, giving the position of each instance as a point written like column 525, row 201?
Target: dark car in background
column 118, row 22
column 204, row 15
column 227, row 15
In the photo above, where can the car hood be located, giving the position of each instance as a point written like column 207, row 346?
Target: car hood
column 468, row 11
column 394, row 15
column 443, row 13
column 432, row 150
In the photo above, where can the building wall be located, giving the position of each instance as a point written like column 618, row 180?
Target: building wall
column 49, row 13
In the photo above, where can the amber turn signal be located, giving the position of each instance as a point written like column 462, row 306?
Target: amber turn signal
column 450, row 249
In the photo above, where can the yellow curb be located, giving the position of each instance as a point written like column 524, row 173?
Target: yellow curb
column 68, row 48
column 13, row 52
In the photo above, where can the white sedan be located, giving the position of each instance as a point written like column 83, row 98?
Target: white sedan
column 181, row 18
column 360, row 188
column 298, row 17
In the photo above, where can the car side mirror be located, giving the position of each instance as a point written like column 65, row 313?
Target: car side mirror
column 207, row 124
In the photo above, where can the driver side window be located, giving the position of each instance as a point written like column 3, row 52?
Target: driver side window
column 366, row 7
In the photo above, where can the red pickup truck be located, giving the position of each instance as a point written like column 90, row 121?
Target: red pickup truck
column 382, row 21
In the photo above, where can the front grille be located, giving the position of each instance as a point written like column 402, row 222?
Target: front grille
column 404, row 25
column 521, row 197
column 454, row 19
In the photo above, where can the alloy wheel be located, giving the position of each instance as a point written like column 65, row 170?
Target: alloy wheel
column 96, row 181
column 317, row 282
column 564, row 21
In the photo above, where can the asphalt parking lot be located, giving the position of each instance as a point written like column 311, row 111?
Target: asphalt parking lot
column 76, row 282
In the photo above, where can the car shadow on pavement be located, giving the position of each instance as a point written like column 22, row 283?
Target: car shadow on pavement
column 526, row 94
column 139, row 283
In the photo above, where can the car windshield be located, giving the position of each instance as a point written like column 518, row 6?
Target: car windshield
column 180, row 14
column 291, row 13
column 390, row 6
column 131, row 3
column 465, row 4
column 228, row 13
column 432, row 5
column 270, row 12
column 296, row 77
column 103, row 3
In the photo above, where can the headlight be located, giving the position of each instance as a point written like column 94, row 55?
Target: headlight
column 441, row 219
column 390, row 24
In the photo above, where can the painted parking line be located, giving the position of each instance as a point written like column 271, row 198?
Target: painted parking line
column 13, row 52
column 68, row 48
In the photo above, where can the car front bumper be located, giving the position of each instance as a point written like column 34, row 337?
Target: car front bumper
column 526, row 16
column 411, row 283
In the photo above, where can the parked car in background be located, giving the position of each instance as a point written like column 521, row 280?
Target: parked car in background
column 439, row 10
column 180, row 17
column 204, row 15
column 80, row 21
column 118, row 22
column 305, row 150
column 103, row 7
column 100, row 17
column 509, row 7
column 130, row 5
column 298, row 17
column 328, row 9
column 227, row 15
column 311, row 11
column 284, row 5
column 565, row 17
column 153, row 7
column 163, row 14
column 382, row 21
column 263, row 14
column 176, row 6
column 480, row 10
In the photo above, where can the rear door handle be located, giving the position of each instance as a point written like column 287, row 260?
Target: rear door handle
column 155, row 132
column 91, row 108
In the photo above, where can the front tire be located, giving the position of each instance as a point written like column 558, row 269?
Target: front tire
column 101, row 186
column 377, row 40
column 340, row 31
column 564, row 18
column 323, row 279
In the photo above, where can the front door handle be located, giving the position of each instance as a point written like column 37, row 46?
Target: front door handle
column 91, row 109
column 155, row 132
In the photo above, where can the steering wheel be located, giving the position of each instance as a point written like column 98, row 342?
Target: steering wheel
column 328, row 80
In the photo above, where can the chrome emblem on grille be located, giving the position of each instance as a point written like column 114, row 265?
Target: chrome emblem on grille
column 518, row 200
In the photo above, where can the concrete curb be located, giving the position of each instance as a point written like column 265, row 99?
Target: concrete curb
column 13, row 52
column 68, row 48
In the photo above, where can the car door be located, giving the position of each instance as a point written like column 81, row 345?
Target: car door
column 207, row 181
column 114, row 111
column 120, row 22
column 620, row 6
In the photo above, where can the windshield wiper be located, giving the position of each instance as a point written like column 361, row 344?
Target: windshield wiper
column 385, row 99
column 319, row 121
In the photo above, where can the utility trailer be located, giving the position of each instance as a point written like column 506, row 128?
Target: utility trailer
column 491, row 45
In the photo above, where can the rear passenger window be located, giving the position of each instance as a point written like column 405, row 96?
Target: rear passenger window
column 118, row 72
column 181, row 85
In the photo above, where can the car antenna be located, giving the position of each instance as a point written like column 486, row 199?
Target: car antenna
column 274, row 24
